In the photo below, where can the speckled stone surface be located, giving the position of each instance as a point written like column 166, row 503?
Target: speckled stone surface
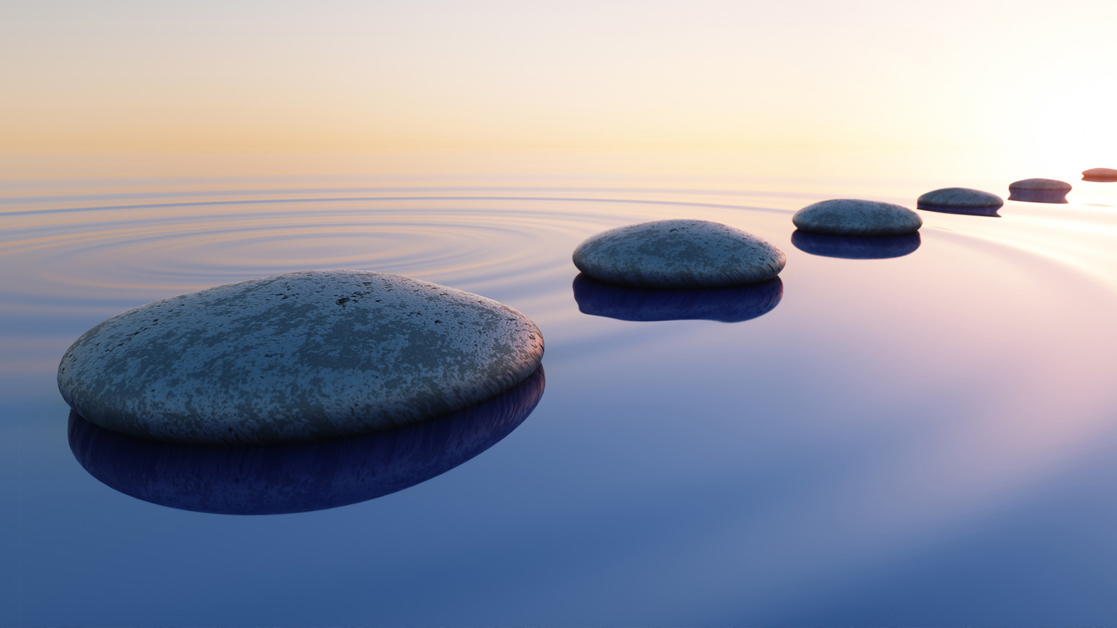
column 964, row 198
column 1099, row 174
column 678, row 254
column 296, row 357
column 850, row 217
column 1046, row 185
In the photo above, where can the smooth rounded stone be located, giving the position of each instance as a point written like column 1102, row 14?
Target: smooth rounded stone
column 1099, row 174
column 1046, row 185
column 298, row 477
column 855, row 247
column 296, row 357
column 1039, row 191
column 726, row 305
column 960, row 198
column 848, row 217
column 678, row 254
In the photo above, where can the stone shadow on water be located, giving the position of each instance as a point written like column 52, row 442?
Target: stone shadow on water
column 855, row 247
column 726, row 305
column 277, row 479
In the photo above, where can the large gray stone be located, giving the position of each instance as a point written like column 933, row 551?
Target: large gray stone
column 961, row 198
column 678, row 254
column 1042, row 185
column 296, row 357
column 848, row 217
column 1099, row 174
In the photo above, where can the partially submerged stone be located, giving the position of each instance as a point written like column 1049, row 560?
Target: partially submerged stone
column 1099, row 175
column 960, row 198
column 296, row 357
column 298, row 477
column 849, row 217
column 678, row 254
column 1040, row 184
column 1039, row 191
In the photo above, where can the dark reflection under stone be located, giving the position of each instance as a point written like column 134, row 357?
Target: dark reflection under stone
column 727, row 305
column 855, row 247
column 965, row 211
column 275, row 479
column 1057, row 197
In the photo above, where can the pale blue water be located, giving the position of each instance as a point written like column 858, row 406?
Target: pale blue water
column 927, row 438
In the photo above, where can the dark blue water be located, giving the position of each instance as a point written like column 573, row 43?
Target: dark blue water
column 920, row 435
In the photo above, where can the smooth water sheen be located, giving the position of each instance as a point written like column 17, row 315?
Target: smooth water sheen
column 922, row 434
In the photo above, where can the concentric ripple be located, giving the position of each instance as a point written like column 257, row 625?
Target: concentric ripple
column 132, row 251
column 851, row 420
column 89, row 257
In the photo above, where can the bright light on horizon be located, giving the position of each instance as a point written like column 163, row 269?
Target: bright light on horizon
column 124, row 75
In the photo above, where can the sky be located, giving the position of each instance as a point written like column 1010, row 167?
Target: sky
column 121, row 75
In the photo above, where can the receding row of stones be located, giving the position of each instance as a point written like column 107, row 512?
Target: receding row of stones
column 325, row 354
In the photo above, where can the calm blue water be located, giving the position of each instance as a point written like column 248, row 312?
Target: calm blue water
column 926, row 438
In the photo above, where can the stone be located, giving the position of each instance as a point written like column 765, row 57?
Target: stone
column 725, row 305
column 678, row 254
column 855, row 247
column 296, row 357
column 960, row 198
column 1099, row 174
column 848, row 217
column 1045, row 185
column 1039, row 191
column 298, row 477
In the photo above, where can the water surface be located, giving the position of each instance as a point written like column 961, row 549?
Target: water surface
column 924, row 435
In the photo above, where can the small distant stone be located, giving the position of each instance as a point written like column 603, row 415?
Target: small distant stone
column 961, row 198
column 1040, row 185
column 1099, row 174
column 848, row 217
column 678, row 254
column 296, row 357
column 1039, row 191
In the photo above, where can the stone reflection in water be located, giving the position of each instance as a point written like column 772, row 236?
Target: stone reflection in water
column 727, row 305
column 1039, row 191
column 275, row 479
column 991, row 212
column 1056, row 197
column 851, row 247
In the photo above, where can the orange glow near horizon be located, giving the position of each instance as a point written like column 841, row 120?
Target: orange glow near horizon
column 133, row 76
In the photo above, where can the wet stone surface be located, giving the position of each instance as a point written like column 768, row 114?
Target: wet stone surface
column 678, row 254
column 960, row 198
column 849, row 217
column 296, row 357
